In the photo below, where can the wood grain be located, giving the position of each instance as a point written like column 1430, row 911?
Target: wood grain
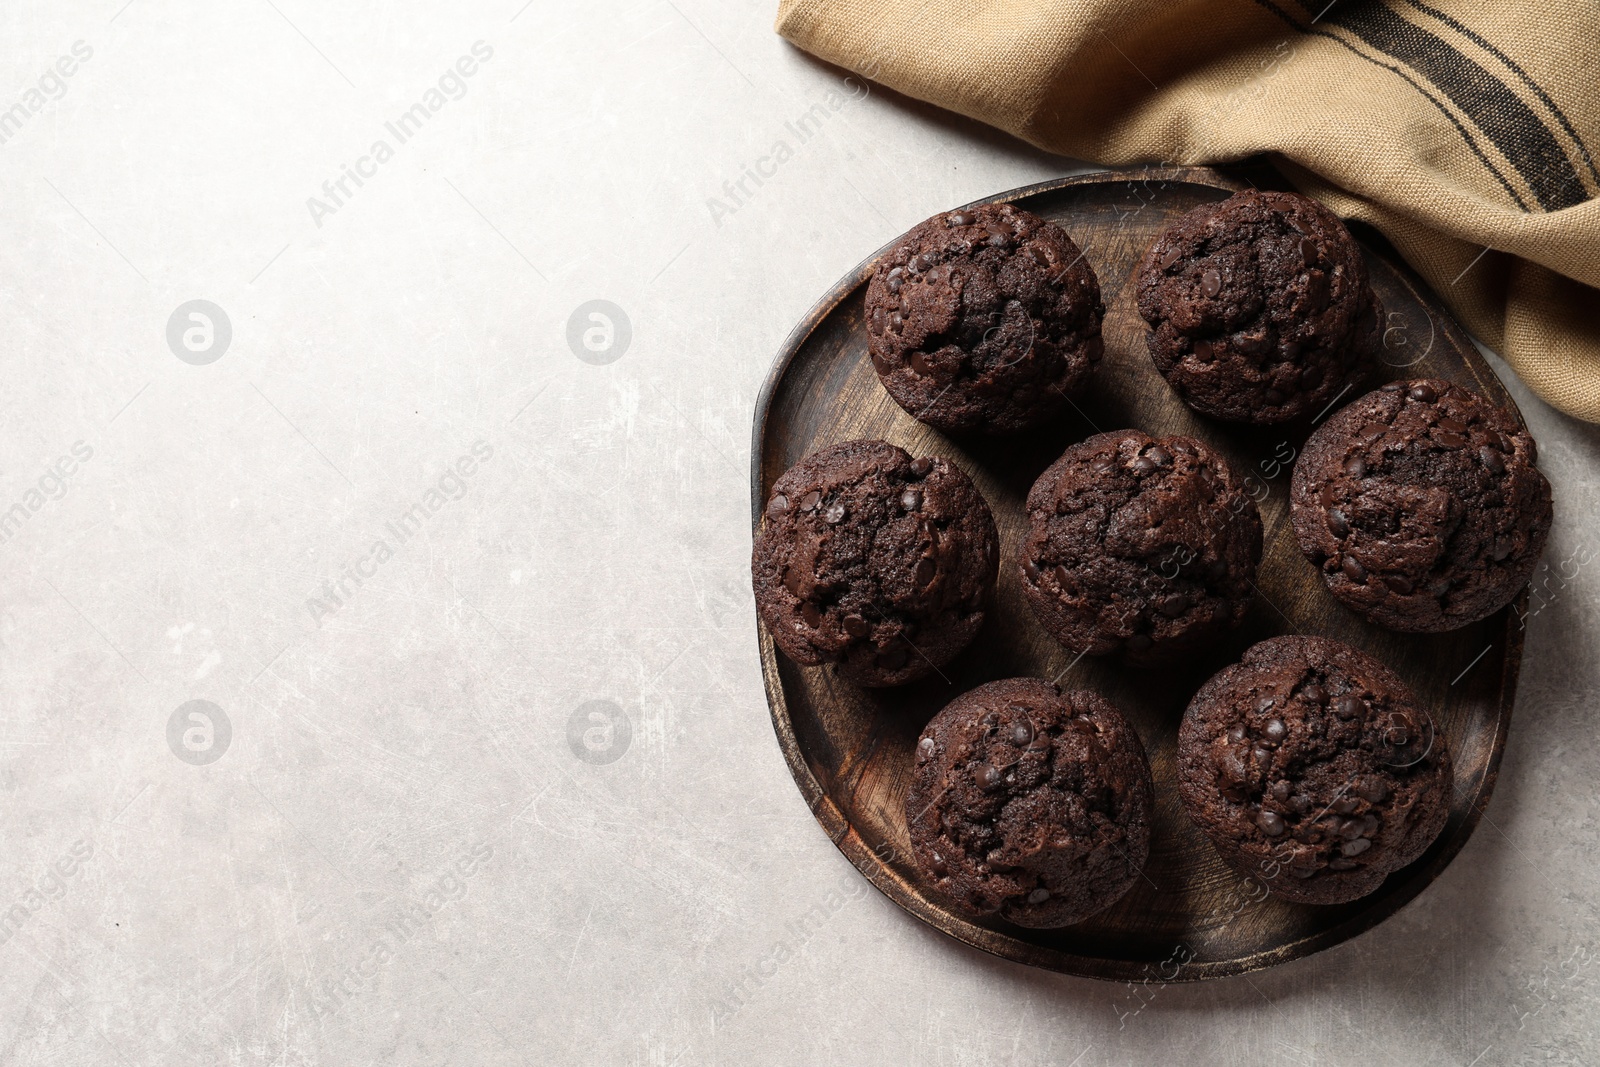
column 850, row 749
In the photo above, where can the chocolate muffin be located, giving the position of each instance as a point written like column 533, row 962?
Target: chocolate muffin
column 1259, row 308
column 1139, row 545
column 1421, row 504
column 874, row 561
column 1311, row 769
column 1030, row 803
column 986, row 318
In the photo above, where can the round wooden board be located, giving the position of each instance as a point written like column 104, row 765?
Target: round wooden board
column 850, row 749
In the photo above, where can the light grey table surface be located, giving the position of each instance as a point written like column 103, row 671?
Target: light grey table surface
column 378, row 843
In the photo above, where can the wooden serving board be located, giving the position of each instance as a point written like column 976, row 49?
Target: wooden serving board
column 850, row 749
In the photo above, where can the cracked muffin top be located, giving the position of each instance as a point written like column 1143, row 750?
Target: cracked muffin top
column 1259, row 307
column 1139, row 545
column 875, row 561
column 1421, row 505
column 1312, row 769
column 984, row 319
column 1030, row 803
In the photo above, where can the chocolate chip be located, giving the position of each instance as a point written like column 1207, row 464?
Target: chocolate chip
column 1262, row 754
column 794, row 579
column 1450, row 440
column 1173, row 606
column 1281, row 789
column 1349, row 706
column 1355, row 467
column 921, row 466
column 1264, row 705
column 1449, row 425
column 960, row 218
column 1236, row 732
column 1311, row 377
column 1346, row 805
column 835, row 513
column 1021, row 734
column 938, row 866
column 1205, row 351
column 810, row 501
column 1211, row 283
column 920, row 364
column 1302, row 872
column 1501, row 549
column 1353, row 570
column 1038, row 896
column 1143, row 465
column 1356, row 847
column 1492, row 461
column 1350, row 829
column 1373, row 790
column 877, row 322
column 1422, row 392
column 856, row 626
column 1399, row 732
column 1171, row 256
column 777, row 505
column 1102, row 464
column 1337, row 523
column 911, row 499
column 1399, row 583
column 1160, row 455
column 1317, row 290
column 1063, row 576
column 1301, row 804
column 1271, row 823
column 1030, row 569
column 925, row 747
column 1233, row 768
column 812, row 614
column 1308, row 251
column 986, row 776
column 926, row 569
column 1392, row 387
column 1314, row 694
column 1275, row 730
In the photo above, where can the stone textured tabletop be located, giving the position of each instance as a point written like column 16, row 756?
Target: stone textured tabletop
column 376, row 642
